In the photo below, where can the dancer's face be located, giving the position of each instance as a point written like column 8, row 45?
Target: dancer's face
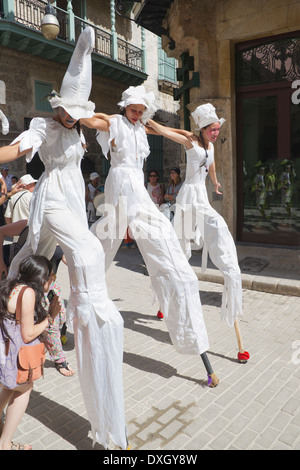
column 66, row 119
column 211, row 132
column 134, row 112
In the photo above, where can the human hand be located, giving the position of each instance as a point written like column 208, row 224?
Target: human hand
column 188, row 134
column 105, row 117
column 16, row 188
column 3, row 185
column 54, row 307
column 217, row 186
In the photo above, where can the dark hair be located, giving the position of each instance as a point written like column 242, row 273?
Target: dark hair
column 34, row 271
column 178, row 177
column 153, row 171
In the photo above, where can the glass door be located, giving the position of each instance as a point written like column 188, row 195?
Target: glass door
column 268, row 166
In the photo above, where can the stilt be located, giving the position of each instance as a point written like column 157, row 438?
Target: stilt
column 212, row 378
column 243, row 355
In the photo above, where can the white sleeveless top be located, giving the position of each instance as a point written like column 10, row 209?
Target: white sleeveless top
column 197, row 164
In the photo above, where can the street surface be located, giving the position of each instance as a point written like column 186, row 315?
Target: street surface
column 168, row 405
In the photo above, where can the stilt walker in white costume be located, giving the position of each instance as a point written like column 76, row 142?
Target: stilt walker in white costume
column 58, row 215
column 128, row 204
column 196, row 220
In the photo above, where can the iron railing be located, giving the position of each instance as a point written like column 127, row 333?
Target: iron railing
column 129, row 54
column 31, row 12
column 103, row 39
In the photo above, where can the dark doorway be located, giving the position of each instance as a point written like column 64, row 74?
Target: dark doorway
column 268, row 141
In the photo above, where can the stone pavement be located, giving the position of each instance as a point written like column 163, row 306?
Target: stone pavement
column 168, row 405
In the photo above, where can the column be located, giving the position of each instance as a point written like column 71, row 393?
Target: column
column 114, row 41
column 71, row 22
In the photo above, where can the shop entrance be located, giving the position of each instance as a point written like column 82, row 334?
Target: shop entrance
column 268, row 141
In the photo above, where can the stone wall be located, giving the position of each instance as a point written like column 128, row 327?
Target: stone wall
column 208, row 30
column 18, row 72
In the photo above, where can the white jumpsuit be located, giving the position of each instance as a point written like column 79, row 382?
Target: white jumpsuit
column 196, row 220
column 58, row 215
column 128, row 204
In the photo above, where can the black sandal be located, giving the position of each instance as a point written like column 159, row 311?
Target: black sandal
column 63, row 365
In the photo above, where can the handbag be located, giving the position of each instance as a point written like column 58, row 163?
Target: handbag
column 30, row 363
column 31, row 358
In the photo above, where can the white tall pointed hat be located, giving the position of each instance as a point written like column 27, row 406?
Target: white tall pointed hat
column 77, row 83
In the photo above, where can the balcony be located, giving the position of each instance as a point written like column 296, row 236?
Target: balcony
column 113, row 57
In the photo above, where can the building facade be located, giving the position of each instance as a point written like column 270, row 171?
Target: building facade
column 125, row 54
column 243, row 57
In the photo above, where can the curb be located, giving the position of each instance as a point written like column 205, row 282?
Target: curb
column 272, row 285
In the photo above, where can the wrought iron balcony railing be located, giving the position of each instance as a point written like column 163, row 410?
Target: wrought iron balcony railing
column 30, row 13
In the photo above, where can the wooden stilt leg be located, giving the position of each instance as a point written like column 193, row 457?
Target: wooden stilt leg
column 212, row 378
column 243, row 355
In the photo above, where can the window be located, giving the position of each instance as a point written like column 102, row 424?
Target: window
column 166, row 65
column 42, row 89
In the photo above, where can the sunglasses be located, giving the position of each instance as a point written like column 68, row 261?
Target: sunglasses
column 153, row 176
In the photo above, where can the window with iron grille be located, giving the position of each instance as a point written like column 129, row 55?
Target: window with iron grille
column 262, row 62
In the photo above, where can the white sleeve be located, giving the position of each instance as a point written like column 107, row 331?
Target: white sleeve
column 32, row 138
column 104, row 138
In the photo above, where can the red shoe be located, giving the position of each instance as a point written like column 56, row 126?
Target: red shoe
column 160, row 315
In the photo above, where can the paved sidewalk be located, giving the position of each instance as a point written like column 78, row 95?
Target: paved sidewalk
column 168, row 405
column 266, row 269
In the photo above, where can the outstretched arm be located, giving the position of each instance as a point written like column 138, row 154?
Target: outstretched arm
column 99, row 121
column 9, row 153
column 177, row 135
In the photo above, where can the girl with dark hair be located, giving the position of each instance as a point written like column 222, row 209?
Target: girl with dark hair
column 155, row 189
column 174, row 185
column 34, row 279
column 173, row 188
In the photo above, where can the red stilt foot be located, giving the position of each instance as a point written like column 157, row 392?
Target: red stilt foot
column 160, row 315
column 243, row 357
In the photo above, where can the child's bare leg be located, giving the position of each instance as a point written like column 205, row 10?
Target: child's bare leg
column 17, row 403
